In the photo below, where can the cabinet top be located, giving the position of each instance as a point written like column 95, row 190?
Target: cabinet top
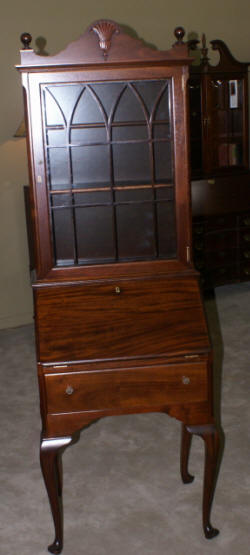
column 103, row 42
column 226, row 63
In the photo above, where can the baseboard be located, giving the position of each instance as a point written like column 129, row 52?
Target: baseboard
column 16, row 320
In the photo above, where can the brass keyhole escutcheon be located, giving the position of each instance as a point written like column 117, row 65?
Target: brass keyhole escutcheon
column 69, row 390
column 117, row 290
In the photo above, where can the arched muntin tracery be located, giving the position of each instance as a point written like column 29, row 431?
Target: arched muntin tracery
column 110, row 174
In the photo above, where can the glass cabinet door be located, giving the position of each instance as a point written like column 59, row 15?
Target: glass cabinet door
column 224, row 123
column 110, row 171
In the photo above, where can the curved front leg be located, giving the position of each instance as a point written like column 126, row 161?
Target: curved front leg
column 186, row 439
column 51, row 465
column 210, row 435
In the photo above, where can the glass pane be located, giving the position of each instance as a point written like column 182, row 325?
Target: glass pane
column 94, row 231
column 63, row 229
column 88, row 109
column 60, row 102
column 166, row 229
column 162, row 108
column 163, row 162
column 135, row 231
column 131, row 163
column 219, row 94
column 149, row 91
column 58, row 168
column 90, row 135
column 108, row 93
column 57, row 137
column 93, row 198
column 90, row 165
column 130, row 107
column 164, row 193
column 236, row 122
column 194, row 96
column 195, row 125
column 223, row 122
column 161, row 131
column 130, row 132
column 134, row 195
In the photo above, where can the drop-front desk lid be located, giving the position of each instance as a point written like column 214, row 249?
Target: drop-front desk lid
column 120, row 319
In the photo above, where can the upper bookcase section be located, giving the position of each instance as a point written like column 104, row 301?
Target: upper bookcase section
column 103, row 42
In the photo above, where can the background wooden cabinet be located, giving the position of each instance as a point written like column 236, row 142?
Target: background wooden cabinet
column 219, row 165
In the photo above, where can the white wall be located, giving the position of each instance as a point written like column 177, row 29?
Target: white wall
column 59, row 22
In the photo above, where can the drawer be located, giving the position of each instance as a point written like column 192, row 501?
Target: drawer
column 128, row 388
column 128, row 319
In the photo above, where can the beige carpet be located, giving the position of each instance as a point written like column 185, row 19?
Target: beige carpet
column 122, row 489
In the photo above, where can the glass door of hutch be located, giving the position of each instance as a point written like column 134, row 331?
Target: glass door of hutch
column 225, row 122
column 110, row 171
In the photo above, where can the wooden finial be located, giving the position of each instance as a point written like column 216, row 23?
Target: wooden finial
column 26, row 39
column 204, row 50
column 179, row 33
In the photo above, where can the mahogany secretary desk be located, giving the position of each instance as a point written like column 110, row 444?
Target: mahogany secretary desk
column 120, row 325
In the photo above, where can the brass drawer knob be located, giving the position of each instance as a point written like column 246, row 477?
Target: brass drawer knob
column 246, row 221
column 117, row 290
column 185, row 380
column 246, row 237
column 246, row 254
column 69, row 390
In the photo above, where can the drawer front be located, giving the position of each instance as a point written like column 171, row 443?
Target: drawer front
column 152, row 386
column 117, row 320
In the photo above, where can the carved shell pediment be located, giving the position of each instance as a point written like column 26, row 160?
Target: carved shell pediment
column 105, row 30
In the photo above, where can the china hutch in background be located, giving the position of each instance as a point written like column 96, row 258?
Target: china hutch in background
column 220, row 166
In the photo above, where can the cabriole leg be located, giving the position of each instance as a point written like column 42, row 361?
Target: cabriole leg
column 186, row 439
column 51, row 465
column 210, row 435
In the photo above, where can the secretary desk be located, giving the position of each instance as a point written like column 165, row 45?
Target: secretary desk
column 120, row 325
